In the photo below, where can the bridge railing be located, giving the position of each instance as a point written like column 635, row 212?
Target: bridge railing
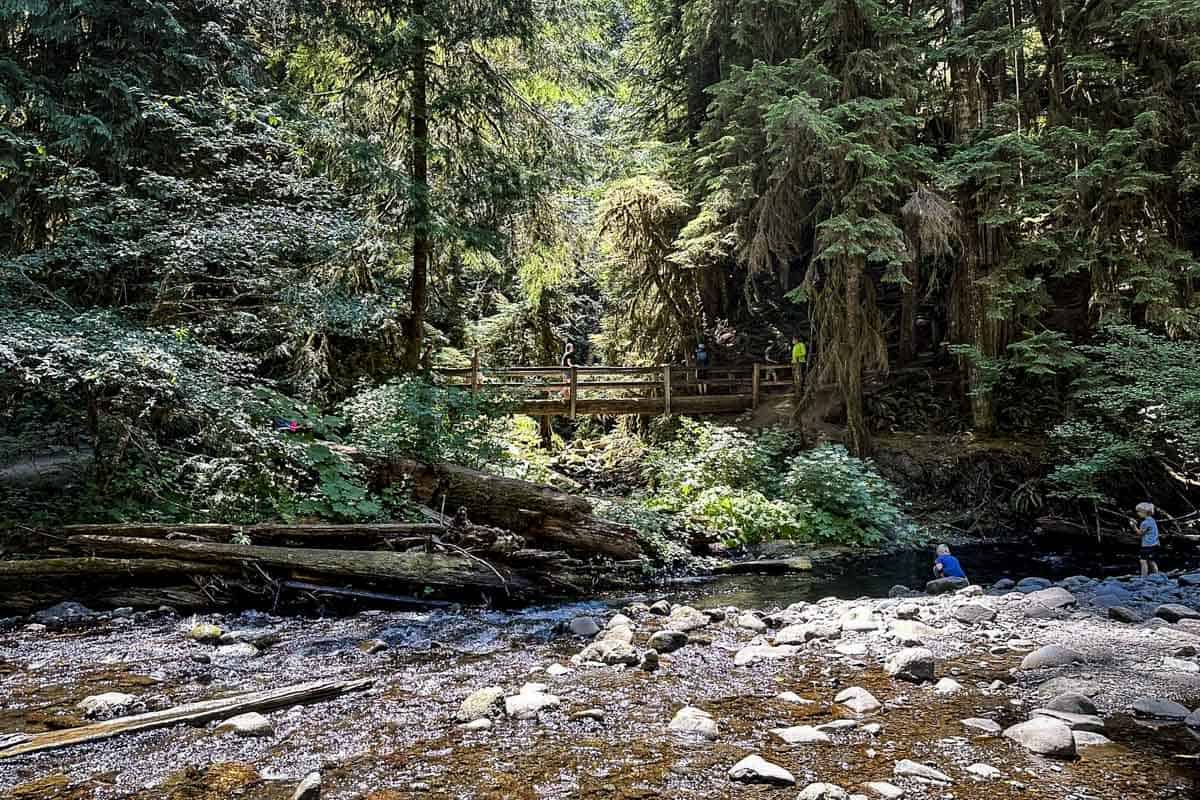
column 563, row 389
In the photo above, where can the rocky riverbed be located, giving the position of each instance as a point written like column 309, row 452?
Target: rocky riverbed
column 1080, row 689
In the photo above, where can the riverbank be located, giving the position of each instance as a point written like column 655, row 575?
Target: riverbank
column 403, row 737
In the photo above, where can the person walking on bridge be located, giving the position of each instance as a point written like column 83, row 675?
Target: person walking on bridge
column 799, row 364
column 703, row 360
column 567, row 363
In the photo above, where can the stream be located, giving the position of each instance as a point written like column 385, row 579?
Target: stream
column 400, row 738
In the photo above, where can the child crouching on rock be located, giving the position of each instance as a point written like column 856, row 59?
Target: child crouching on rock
column 946, row 565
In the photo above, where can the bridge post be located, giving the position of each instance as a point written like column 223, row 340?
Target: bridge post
column 475, row 370
column 667, row 389
column 755, row 383
column 574, row 388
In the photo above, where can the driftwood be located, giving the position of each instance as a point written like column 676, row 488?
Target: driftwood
column 366, row 535
column 362, row 594
column 17, row 572
column 412, row 568
column 551, row 518
column 194, row 713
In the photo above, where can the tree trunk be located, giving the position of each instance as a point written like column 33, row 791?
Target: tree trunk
column 422, row 246
column 858, row 433
column 908, row 314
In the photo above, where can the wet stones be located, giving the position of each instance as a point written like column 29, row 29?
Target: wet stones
column 205, row 633
column 667, row 641
column 309, row 788
column 530, row 702
column 64, row 614
column 661, row 608
column 822, row 791
column 251, row 724
column 1051, row 655
column 945, row 585
column 1044, row 736
column 973, row 614
column 1076, row 722
column 619, row 621
column 1072, row 703
column 692, row 720
column 1029, row 585
column 1174, row 612
column 911, row 664
column 752, row 654
column 480, row 703
column 611, row 652
column 755, row 769
column 583, row 626
column 802, row 734
column 858, row 700
column 749, row 622
column 1123, row 614
column 107, row 705
column 911, row 769
column 911, row 633
column 981, row 725
column 686, row 618
column 1155, row 708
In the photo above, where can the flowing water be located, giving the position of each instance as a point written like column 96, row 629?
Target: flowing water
column 399, row 739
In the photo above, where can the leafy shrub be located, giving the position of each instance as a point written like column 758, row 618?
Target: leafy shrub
column 703, row 455
column 745, row 515
column 416, row 419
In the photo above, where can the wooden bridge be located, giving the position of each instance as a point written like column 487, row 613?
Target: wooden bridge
column 610, row 391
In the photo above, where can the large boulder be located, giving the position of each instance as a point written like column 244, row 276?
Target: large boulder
column 945, row 585
column 1174, row 612
column 752, row 654
column 1051, row 655
column 667, row 641
column 1156, row 708
column 1028, row 585
column 692, row 720
column 1055, row 597
column 911, row 664
column 480, row 703
column 1044, row 736
column 754, row 769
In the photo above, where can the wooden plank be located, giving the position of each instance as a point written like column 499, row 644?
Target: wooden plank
column 193, row 713
column 574, row 388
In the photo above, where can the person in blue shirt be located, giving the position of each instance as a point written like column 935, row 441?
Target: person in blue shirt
column 1148, row 528
column 946, row 565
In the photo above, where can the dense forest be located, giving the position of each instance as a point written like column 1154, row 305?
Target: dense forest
column 980, row 215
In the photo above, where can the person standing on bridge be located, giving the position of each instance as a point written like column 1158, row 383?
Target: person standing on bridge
column 799, row 364
column 567, row 362
column 703, row 360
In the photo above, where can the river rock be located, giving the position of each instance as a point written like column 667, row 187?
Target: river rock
column 802, row 734
column 618, row 634
column 250, row 724
column 852, row 649
column 1063, row 684
column 1072, row 703
column 752, row 654
column 974, row 614
column 715, row 614
column 837, row 725
column 106, row 705
column 309, row 788
column 754, row 769
column 948, row 686
column 1189, row 579
column 686, row 618
column 884, row 789
column 1076, row 722
column 858, row 700
column 620, row 621
column 63, row 613
column 241, row 651
column 793, row 634
column 1054, row 597
column 908, row 611
column 667, row 641
column 1174, row 612
column 558, row 670
column 795, row 699
column 1051, row 655
column 650, row 661
column 205, row 632
column 662, row 608
column 529, row 703
column 483, row 724
column 1181, row 665
column 1123, row 614
column 690, row 719
column 583, row 626
column 900, row 590
column 1044, row 736
column 1028, row 585
column 1003, row 585
column 751, row 623
column 1155, row 708
column 911, row 769
column 986, row 726
column 822, row 791
column 911, row 664
column 480, row 703
column 1089, row 739
column 1193, row 719
column 611, row 652
column 911, row 633
column 859, row 620
column 984, row 772
column 945, row 585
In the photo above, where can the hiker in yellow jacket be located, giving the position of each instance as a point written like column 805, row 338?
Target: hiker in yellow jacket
column 799, row 363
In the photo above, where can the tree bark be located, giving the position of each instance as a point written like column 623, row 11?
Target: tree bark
column 422, row 246
column 852, row 365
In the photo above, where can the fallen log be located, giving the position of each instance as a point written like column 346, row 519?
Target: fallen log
column 545, row 515
column 50, row 568
column 411, row 568
column 311, row 535
column 362, row 594
column 193, row 713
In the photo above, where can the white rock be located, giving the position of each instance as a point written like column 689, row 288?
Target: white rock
column 988, row 726
column 251, row 724
column 884, row 789
column 948, row 686
column 754, row 653
column 108, row 704
column 690, row 719
column 555, row 670
column 754, row 769
column 620, row 621
column 309, row 788
column 922, row 772
column 792, row 697
column 1089, row 739
column 822, row 791
column 852, row 649
column 751, row 623
column 858, row 700
column 802, row 734
column 913, row 664
column 1044, row 736
column 984, row 771
column 686, row 618
column 527, row 705
column 478, row 725
column 584, row 626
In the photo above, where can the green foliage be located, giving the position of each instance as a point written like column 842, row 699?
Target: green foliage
column 755, row 487
column 1137, row 418
column 413, row 418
